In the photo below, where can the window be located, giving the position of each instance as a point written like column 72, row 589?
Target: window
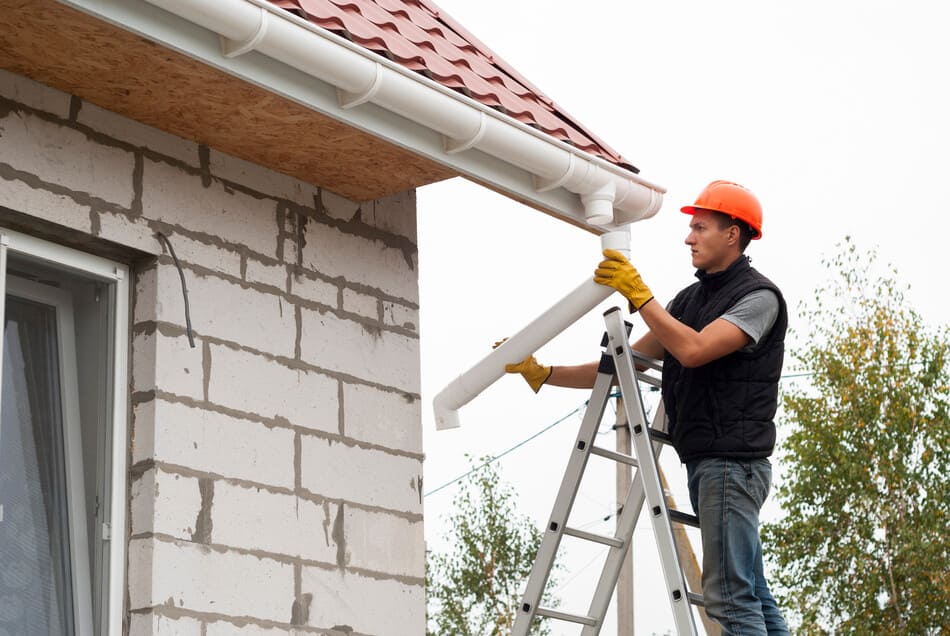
column 63, row 421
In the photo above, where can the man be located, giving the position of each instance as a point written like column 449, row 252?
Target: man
column 722, row 342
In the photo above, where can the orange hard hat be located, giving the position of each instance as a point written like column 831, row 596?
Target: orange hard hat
column 731, row 199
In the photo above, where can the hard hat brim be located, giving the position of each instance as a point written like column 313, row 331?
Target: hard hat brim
column 693, row 209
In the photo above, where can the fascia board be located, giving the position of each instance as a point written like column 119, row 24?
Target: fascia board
column 187, row 38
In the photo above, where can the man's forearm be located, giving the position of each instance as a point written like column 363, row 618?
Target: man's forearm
column 675, row 337
column 692, row 348
column 580, row 376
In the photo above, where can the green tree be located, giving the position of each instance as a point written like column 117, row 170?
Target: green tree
column 474, row 588
column 864, row 547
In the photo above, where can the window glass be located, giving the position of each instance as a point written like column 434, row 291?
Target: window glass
column 62, row 441
column 35, row 590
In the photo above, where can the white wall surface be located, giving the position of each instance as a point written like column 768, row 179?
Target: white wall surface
column 277, row 466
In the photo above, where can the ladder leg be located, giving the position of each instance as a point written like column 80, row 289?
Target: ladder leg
column 644, row 489
column 648, row 474
column 626, row 522
column 541, row 570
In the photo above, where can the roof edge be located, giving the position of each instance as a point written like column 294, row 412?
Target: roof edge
column 602, row 195
column 503, row 64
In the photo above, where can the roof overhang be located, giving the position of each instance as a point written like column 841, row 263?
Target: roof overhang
column 255, row 81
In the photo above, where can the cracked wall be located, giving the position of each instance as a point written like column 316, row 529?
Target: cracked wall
column 276, row 465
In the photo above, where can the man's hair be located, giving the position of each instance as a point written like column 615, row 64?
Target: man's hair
column 745, row 230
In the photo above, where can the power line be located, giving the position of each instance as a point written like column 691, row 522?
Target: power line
column 503, row 453
column 495, row 458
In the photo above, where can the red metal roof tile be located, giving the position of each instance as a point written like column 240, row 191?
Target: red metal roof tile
column 423, row 38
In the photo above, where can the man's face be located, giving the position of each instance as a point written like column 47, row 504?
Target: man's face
column 712, row 248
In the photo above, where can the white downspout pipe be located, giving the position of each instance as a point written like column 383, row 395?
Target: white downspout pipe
column 362, row 76
column 538, row 332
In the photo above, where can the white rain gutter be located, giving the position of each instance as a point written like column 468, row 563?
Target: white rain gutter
column 609, row 194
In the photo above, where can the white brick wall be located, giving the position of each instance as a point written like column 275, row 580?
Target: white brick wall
column 174, row 196
column 214, row 443
column 370, row 477
column 67, row 158
column 33, row 94
column 357, row 303
column 226, row 310
column 136, row 134
column 165, row 503
column 221, row 628
column 254, row 519
column 382, row 541
column 382, row 417
column 255, row 384
column 206, row 255
column 395, row 214
column 360, row 350
column 167, row 363
column 192, row 577
column 338, row 207
column 133, row 232
column 315, row 290
column 398, row 315
column 158, row 625
column 281, row 457
column 402, row 612
column 57, row 208
column 251, row 176
column 267, row 274
column 330, row 250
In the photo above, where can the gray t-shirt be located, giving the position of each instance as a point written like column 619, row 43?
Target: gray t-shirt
column 754, row 314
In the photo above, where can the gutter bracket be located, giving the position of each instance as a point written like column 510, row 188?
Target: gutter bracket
column 453, row 146
column 349, row 100
column 545, row 185
column 234, row 48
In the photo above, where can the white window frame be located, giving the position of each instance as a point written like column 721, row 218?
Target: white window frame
column 66, row 258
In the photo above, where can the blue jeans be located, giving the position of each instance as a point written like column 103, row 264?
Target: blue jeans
column 727, row 495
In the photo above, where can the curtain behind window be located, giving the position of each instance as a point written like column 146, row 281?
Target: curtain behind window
column 35, row 595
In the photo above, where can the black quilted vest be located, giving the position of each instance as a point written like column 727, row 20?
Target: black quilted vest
column 725, row 408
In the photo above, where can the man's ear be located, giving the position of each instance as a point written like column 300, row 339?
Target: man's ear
column 734, row 233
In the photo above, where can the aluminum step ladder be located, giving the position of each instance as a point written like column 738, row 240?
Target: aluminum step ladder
column 618, row 361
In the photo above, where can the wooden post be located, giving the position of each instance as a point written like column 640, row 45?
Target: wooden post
column 688, row 560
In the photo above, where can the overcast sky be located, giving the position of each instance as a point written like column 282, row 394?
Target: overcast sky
column 834, row 113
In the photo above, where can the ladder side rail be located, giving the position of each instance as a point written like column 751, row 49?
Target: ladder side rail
column 649, row 475
column 560, row 513
column 626, row 523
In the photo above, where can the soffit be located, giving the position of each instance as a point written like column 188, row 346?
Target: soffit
column 133, row 76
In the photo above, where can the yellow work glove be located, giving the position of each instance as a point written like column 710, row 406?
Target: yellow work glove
column 534, row 374
column 617, row 272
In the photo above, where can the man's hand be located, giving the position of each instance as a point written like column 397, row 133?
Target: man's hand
column 617, row 272
column 534, row 374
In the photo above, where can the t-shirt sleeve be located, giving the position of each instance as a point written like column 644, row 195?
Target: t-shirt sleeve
column 754, row 313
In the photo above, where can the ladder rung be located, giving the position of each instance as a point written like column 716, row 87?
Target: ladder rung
column 596, row 538
column 661, row 436
column 650, row 379
column 617, row 457
column 684, row 518
column 564, row 616
column 696, row 599
column 651, row 363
